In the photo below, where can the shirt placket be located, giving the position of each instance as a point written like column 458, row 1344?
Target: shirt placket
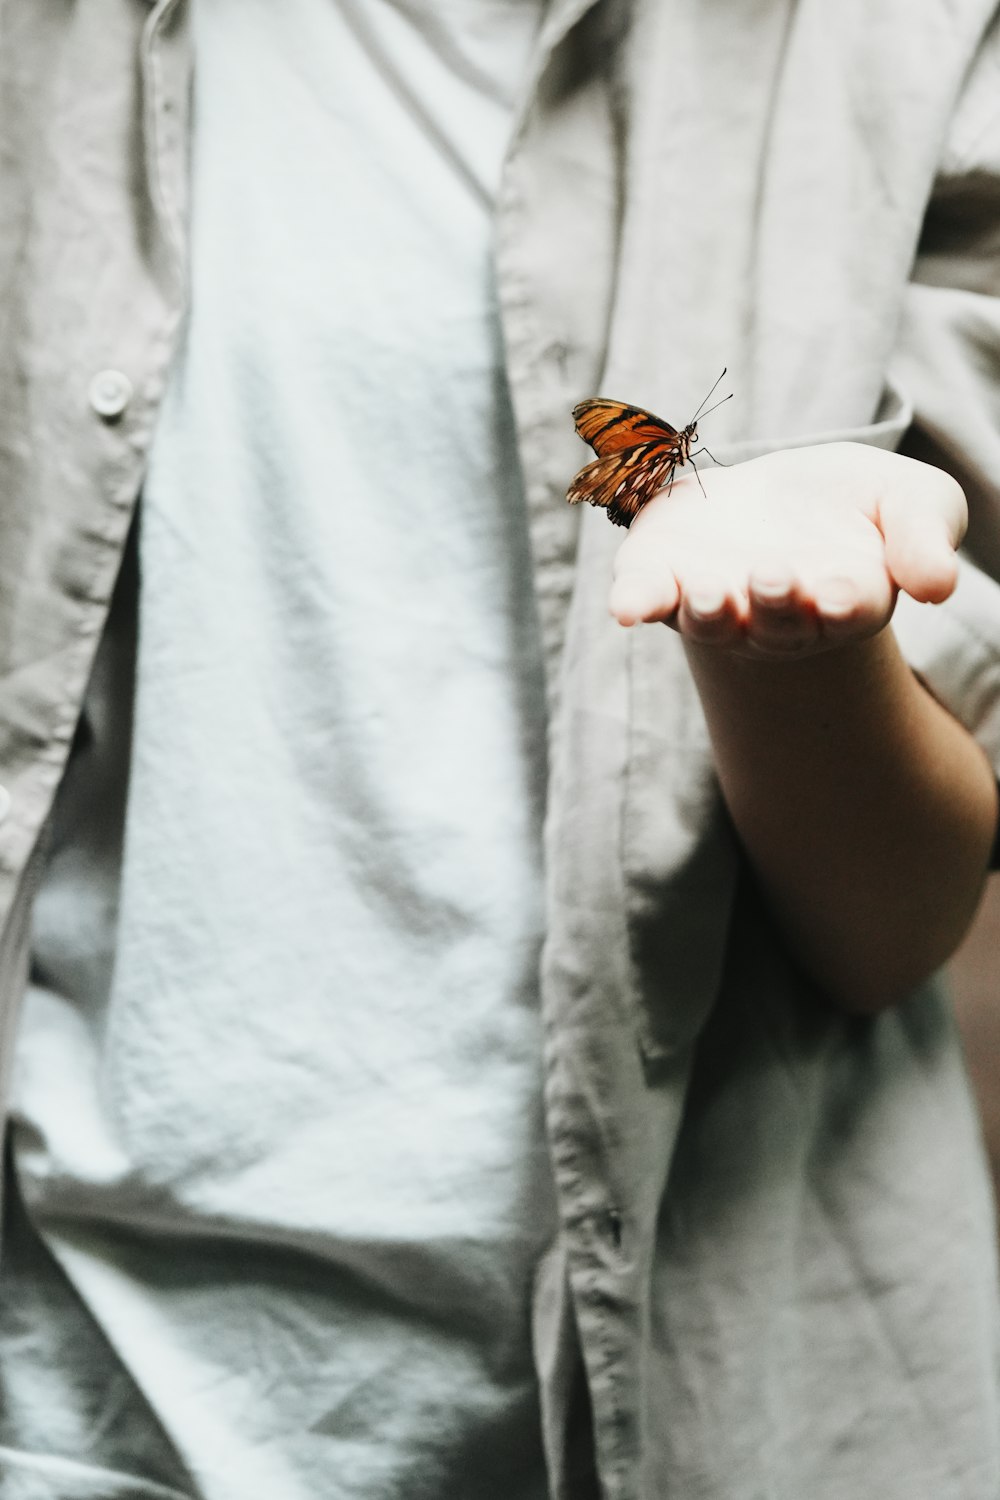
column 556, row 251
column 94, row 308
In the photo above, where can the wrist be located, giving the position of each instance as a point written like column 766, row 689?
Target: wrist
column 851, row 678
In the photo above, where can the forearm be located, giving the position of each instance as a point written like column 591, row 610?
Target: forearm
column 866, row 810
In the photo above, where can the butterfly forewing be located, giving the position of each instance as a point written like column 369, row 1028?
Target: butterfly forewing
column 609, row 426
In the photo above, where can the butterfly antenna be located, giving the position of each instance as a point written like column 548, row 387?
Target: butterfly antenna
column 714, row 408
column 708, row 398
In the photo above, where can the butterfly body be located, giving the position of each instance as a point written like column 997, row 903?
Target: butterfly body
column 637, row 454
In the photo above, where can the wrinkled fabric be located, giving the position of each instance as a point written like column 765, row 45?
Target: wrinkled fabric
column 776, row 1247
column 339, row 701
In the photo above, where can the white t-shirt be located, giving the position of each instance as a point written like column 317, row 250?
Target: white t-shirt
column 292, row 1161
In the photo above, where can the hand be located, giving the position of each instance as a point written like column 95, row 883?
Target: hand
column 793, row 553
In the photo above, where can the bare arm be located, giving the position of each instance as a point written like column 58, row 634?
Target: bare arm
column 867, row 811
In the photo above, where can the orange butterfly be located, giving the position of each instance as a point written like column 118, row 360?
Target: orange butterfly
column 636, row 454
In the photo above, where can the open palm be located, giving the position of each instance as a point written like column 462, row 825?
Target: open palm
column 792, row 553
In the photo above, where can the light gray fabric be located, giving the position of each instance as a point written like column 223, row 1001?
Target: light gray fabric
column 776, row 1232
column 340, row 703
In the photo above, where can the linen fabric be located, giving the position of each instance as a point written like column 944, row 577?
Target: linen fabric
column 774, row 1272
column 287, row 1147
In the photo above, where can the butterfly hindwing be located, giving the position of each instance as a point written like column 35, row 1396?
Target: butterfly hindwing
column 622, row 482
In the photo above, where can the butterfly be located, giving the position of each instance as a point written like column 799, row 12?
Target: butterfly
column 637, row 454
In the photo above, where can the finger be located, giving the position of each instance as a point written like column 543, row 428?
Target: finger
column 922, row 516
column 921, row 558
column 641, row 594
column 710, row 613
column 848, row 607
column 782, row 619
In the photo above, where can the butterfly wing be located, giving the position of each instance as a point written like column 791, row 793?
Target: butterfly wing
column 610, row 426
column 624, row 480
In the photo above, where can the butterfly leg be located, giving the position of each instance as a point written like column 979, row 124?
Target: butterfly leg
column 712, row 456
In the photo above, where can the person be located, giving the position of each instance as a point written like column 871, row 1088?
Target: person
column 409, row 811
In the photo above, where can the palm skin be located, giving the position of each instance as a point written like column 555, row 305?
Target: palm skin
column 792, row 553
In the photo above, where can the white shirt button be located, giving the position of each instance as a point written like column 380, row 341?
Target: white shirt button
column 4, row 803
column 110, row 393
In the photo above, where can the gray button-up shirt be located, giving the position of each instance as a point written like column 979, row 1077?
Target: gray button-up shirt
column 775, row 1268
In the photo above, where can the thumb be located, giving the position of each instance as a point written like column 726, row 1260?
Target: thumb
column 639, row 594
column 922, row 517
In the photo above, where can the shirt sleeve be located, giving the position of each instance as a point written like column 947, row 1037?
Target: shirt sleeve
column 948, row 366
